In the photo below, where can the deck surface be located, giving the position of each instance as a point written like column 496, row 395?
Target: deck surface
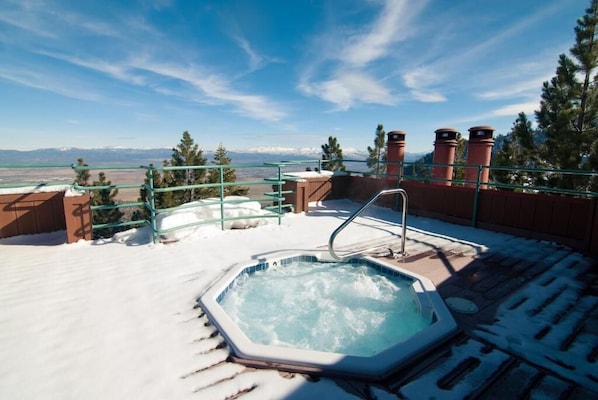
column 550, row 289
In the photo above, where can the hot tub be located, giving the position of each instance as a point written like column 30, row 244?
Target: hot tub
column 358, row 318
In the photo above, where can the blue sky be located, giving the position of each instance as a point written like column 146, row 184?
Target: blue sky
column 249, row 73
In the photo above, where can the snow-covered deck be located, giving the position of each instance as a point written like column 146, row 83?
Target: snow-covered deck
column 119, row 318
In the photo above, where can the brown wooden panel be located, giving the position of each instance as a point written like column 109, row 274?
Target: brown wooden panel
column 561, row 213
column 512, row 210
column 45, row 216
column 580, row 214
column 463, row 204
column 543, row 215
column 593, row 237
column 498, row 208
column 25, row 212
column 448, row 201
column 484, row 206
column 29, row 197
column 77, row 213
column 8, row 221
column 527, row 209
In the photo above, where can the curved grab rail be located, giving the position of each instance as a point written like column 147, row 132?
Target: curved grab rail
column 403, row 194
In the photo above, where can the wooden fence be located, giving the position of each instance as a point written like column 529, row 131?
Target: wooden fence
column 30, row 213
column 567, row 220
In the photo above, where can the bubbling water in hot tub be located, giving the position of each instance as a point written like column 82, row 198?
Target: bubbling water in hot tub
column 344, row 308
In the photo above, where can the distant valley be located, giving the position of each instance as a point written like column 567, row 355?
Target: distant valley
column 136, row 157
column 53, row 165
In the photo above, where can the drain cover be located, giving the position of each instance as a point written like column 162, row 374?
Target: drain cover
column 461, row 305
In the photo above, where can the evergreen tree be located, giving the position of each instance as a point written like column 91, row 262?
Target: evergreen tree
column 332, row 155
column 187, row 153
column 568, row 109
column 102, row 197
column 228, row 175
column 519, row 150
column 460, row 158
column 376, row 160
column 421, row 169
column 161, row 199
column 503, row 158
column 105, row 197
column 82, row 175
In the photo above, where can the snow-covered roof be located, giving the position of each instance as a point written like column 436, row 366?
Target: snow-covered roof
column 118, row 318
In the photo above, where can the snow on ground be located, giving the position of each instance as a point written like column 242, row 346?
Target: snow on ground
column 116, row 319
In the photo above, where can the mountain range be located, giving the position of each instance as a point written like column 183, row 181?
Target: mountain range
column 130, row 156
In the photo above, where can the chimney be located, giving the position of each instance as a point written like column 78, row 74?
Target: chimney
column 479, row 152
column 444, row 153
column 395, row 152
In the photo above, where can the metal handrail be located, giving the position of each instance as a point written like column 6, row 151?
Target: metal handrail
column 403, row 194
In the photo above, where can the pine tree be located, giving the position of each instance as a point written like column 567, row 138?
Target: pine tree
column 503, row 158
column 187, row 153
column 569, row 109
column 102, row 197
column 460, row 158
column 82, row 175
column 376, row 160
column 228, row 175
column 519, row 150
column 161, row 199
column 333, row 155
column 105, row 197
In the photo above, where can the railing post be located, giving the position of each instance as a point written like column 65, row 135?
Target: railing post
column 221, row 177
column 279, row 194
column 474, row 216
column 152, row 201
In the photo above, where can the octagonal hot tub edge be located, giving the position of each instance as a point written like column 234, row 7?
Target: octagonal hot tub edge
column 374, row 367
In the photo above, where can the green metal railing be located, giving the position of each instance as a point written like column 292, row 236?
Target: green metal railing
column 273, row 174
column 408, row 171
column 275, row 197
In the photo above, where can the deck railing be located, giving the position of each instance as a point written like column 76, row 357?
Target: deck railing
column 272, row 175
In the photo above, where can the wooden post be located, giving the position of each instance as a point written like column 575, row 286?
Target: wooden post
column 77, row 214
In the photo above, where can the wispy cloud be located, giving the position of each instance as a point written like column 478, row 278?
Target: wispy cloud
column 255, row 60
column 391, row 26
column 470, row 65
column 514, row 109
column 420, row 80
column 348, row 88
column 518, row 80
column 342, row 73
column 37, row 78
column 142, row 66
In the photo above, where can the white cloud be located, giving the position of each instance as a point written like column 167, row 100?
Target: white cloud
column 349, row 88
column 419, row 80
column 345, row 57
column 428, row 97
column 214, row 89
column 217, row 88
column 255, row 60
column 38, row 79
column 514, row 109
column 392, row 25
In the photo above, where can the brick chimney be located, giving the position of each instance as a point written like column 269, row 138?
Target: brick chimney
column 444, row 153
column 395, row 152
column 479, row 152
